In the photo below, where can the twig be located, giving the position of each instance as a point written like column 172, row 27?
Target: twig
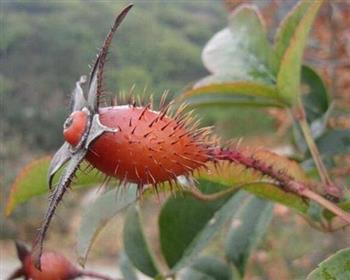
column 329, row 187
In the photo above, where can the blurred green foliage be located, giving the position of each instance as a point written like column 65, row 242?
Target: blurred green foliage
column 47, row 45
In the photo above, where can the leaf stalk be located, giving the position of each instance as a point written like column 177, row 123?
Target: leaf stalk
column 329, row 187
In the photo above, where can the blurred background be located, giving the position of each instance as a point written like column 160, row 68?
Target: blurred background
column 46, row 45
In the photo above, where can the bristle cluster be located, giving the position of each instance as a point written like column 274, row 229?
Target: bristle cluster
column 151, row 147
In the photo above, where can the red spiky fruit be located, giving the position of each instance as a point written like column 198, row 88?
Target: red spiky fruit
column 149, row 147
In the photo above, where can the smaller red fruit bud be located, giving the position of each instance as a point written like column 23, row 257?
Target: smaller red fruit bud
column 54, row 266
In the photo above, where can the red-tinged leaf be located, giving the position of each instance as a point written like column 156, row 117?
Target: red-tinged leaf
column 287, row 27
column 289, row 75
column 242, row 91
column 32, row 182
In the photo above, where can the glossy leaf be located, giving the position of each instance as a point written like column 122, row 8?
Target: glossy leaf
column 276, row 194
column 330, row 143
column 96, row 216
column 249, row 92
column 289, row 75
column 334, row 142
column 207, row 268
column 345, row 205
column 236, row 88
column 315, row 99
column 317, row 106
column 135, row 244
column 228, row 101
column 186, row 224
column 32, row 181
column 249, row 225
column 288, row 26
column 230, row 175
column 241, row 50
column 336, row 267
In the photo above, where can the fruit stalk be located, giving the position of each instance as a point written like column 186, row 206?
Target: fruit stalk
column 284, row 180
column 330, row 188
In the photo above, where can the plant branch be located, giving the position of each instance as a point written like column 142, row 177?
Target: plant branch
column 329, row 187
column 287, row 182
column 325, row 203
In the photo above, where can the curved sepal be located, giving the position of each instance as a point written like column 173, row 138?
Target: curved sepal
column 93, row 96
column 78, row 99
column 22, row 250
column 56, row 196
column 96, row 76
column 58, row 160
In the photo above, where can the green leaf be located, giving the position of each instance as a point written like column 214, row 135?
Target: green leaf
column 276, row 194
column 228, row 101
column 315, row 99
column 96, row 216
column 237, row 88
column 180, row 221
column 317, row 106
column 334, row 142
column 345, row 205
column 289, row 74
column 186, row 224
column 330, row 143
column 336, row 267
column 207, row 268
column 230, row 175
column 249, row 225
column 242, row 50
column 32, row 181
column 315, row 211
column 135, row 244
column 287, row 27
column 126, row 267
column 238, row 92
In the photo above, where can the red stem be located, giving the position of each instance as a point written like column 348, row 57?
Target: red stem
column 251, row 162
column 286, row 181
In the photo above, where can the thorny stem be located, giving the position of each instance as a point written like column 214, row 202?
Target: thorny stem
column 38, row 243
column 283, row 179
column 329, row 187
